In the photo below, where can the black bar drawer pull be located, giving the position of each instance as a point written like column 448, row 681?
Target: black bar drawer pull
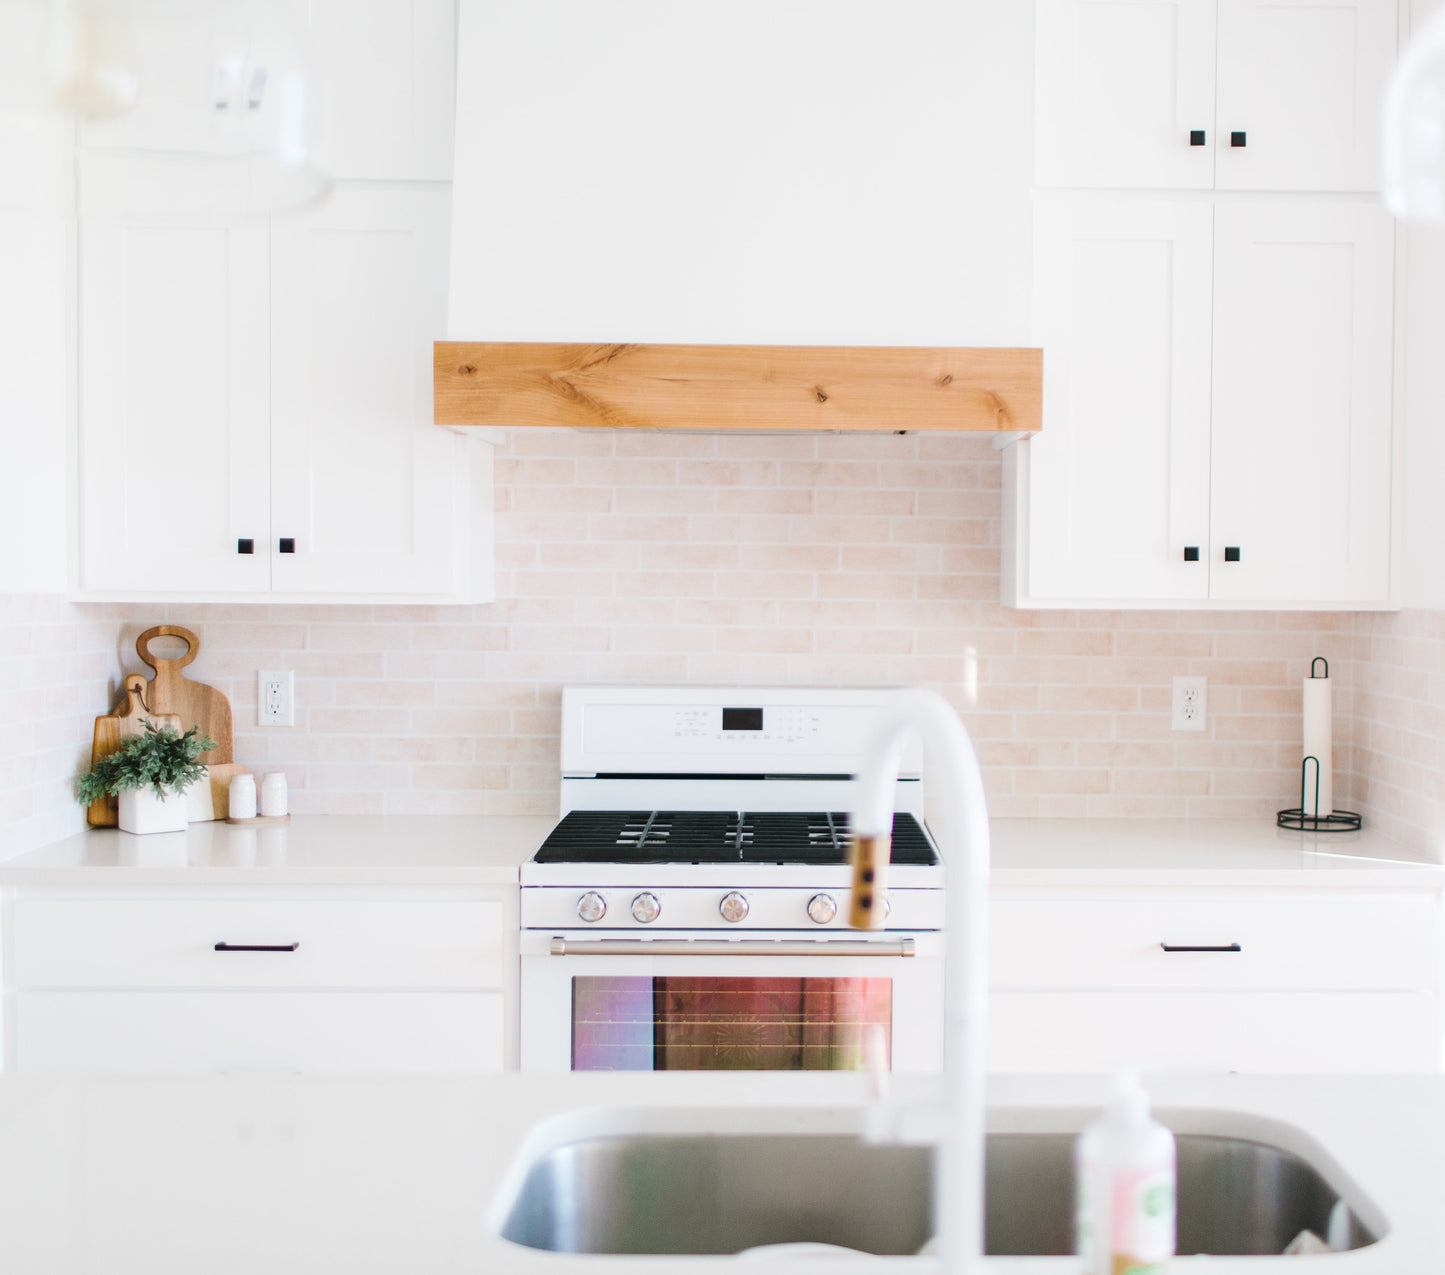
column 288, row 544
column 1231, row 553
column 257, row 947
column 1238, row 139
column 1196, row 137
column 1191, row 553
column 245, row 545
column 1224, row 947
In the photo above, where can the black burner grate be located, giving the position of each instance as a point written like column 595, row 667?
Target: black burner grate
column 718, row 836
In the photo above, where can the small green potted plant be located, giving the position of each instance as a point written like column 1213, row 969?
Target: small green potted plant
column 149, row 775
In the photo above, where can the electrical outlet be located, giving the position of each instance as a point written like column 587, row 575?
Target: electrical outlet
column 1187, row 712
column 276, row 697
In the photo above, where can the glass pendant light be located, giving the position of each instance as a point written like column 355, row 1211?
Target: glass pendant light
column 1412, row 149
column 221, row 109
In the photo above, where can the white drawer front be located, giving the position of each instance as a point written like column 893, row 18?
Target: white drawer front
column 1045, row 1032
column 172, row 944
column 1358, row 943
column 200, row 1032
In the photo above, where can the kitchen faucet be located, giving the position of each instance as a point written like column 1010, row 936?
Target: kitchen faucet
column 961, row 831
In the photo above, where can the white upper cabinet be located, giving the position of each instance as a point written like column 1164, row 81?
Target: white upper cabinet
column 387, row 81
column 1251, row 427
column 1121, row 88
column 361, row 480
column 1121, row 473
column 1230, row 94
column 1302, row 405
column 173, row 407
column 1300, row 84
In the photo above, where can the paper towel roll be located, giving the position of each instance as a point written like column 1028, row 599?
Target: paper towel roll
column 1317, row 743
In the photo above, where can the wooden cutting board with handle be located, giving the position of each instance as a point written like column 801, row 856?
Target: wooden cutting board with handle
column 128, row 718
column 195, row 703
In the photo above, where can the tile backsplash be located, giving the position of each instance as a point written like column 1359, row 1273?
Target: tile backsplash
column 700, row 558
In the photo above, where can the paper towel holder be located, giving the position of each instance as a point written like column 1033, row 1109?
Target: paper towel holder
column 1319, row 659
column 1300, row 820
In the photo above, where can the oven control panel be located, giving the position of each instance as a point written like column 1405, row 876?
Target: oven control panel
column 721, row 730
column 564, row 908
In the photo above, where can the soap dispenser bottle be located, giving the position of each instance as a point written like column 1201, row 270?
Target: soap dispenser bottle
column 1124, row 1170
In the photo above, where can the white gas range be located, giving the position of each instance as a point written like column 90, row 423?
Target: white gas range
column 689, row 911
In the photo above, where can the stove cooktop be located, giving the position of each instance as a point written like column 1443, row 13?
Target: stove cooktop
column 718, row 836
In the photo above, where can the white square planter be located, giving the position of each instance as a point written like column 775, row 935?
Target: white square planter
column 142, row 811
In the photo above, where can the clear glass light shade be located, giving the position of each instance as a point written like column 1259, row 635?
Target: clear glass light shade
column 93, row 67
column 223, row 116
column 1412, row 148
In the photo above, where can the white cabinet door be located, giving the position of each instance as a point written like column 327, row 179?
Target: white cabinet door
column 386, row 88
column 1302, row 81
column 362, row 481
column 1119, row 478
column 1121, row 87
column 172, row 1032
column 1302, row 402
column 173, row 407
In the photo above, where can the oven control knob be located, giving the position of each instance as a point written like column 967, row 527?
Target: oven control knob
column 733, row 907
column 822, row 908
column 645, row 908
column 591, row 906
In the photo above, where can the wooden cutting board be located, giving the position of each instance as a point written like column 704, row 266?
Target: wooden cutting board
column 127, row 719
column 195, row 703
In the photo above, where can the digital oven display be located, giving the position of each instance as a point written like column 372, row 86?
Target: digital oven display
column 742, row 719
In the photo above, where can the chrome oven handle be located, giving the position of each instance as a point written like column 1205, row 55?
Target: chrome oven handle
column 723, row 947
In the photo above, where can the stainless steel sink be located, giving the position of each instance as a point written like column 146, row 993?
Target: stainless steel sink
column 718, row 1194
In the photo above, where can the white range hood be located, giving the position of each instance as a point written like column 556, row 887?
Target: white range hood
column 760, row 171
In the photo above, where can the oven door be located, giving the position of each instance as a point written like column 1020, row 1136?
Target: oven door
column 680, row 1001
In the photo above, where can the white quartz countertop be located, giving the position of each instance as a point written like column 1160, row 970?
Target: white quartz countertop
column 287, row 1174
column 310, row 849
column 459, row 849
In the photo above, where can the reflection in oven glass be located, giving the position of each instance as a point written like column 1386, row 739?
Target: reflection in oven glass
column 728, row 1024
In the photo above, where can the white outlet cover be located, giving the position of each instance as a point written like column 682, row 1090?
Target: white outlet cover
column 276, row 697
column 1188, row 703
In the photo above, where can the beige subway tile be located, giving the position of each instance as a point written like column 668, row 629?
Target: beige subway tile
column 788, row 557
column 765, row 585
column 1078, row 642
column 358, row 721
column 666, row 584
column 764, row 500
column 562, row 584
column 578, row 500
column 542, row 441
column 728, row 473
column 671, row 640
column 557, row 472
column 629, row 666
column 771, row 641
column 688, row 556
column 882, row 585
column 1060, row 781
column 738, row 529
column 834, row 531
column 749, row 446
column 461, row 637
column 650, row 527
column 832, row 502
column 649, row 444
column 1089, row 699
column 474, row 722
column 458, row 778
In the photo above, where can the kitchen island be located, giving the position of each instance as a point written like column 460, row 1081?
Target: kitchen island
column 289, row 1174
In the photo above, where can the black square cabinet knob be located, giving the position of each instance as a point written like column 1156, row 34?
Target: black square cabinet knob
column 288, row 544
column 1231, row 553
column 245, row 546
column 1196, row 137
column 1191, row 553
column 1236, row 139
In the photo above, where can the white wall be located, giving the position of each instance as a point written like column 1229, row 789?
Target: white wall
column 771, row 171
column 36, row 305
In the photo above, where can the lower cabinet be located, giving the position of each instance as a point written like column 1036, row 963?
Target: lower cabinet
column 1211, row 981
column 185, row 982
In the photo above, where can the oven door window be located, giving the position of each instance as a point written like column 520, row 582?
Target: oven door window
column 729, row 1024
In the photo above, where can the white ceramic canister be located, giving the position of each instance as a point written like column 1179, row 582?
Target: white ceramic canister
column 241, row 801
column 273, row 794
